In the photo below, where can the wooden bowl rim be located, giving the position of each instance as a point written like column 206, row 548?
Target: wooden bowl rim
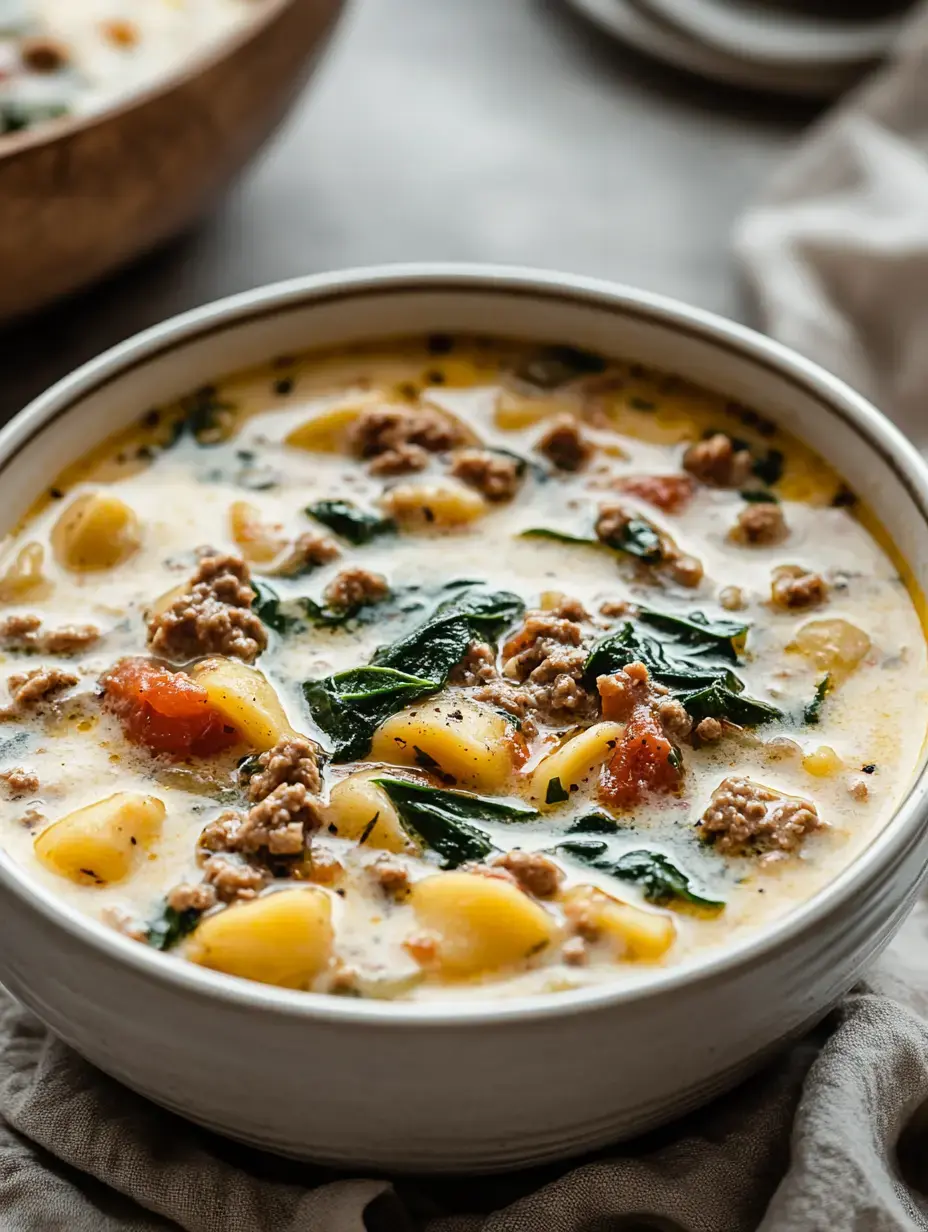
column 51, row 131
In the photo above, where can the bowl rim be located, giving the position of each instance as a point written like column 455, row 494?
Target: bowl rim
column 874, row 865
column 190, row 67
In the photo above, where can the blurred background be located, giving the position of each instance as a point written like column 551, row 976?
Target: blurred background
column 515, row 131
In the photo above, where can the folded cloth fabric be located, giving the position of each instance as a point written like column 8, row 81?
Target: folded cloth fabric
column 834, row 1135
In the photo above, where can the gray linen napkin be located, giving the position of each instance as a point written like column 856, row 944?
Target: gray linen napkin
column 835, row 1134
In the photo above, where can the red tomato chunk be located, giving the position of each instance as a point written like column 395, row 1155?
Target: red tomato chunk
column 166, row 711
column 642, row 765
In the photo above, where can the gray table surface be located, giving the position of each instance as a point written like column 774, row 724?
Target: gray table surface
column 495, row 130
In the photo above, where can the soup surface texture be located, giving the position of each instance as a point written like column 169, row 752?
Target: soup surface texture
column 64, row 57
column 442, row 667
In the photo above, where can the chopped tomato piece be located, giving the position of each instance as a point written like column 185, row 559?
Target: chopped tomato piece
column 645, row 763
column 166, row 711
column 668, row 492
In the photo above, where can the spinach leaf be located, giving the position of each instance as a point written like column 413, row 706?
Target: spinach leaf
column 593, row 823
column 346, row 519
column 638, row 538
column 692, row 660
column 769, row 468
column 171, row 926
column 444, row 820
column 552, row 366
column 555, row 793
column 720, row 702
column 813, row 711
column 724, row 637
column 759, row 496
column 629, row 645
column 350, row 705
column 286, row 615
column 206, row 416
column 661, row 882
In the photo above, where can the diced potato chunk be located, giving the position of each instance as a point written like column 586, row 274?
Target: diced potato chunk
column 282, row 938
column 97, row 531
column 25, row 575
column 328, row 431
column 634, row 933
column 481, row 923
column 834, row 646
column 433, row 506
column 246, row 699
column 513, row 411
column 102, row 842
column 573, row 764
column 472, row 744
column 259, row 541
column 822, row 763
column 354, row 803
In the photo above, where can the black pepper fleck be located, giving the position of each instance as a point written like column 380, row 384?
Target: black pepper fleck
column 869, row 768
column 284, row 386
column 440, row 344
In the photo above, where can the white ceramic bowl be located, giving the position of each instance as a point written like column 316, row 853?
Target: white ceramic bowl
column 484, row 1085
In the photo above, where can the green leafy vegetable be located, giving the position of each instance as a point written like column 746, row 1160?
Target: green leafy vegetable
column 171, row 926
column 552, row 366
column 555, row 793
column 813, row 711
column 16, row 115
column 351, row 704
column 593, row 823
column 287, row 615
column 770, row 467
column 346, row 519
column 759, row 496
column 720, row 702
column 692, row 659
column 724, row 637
column 661, row 882
column 445, row 820
column 636, row 538
column 206, row 416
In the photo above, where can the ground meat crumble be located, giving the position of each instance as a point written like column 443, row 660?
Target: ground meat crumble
column 24, row 634
column 213, row 616
column 19, row 782
column 546, row 656
column 29, row 689
column 353, row 588
column 746, row 818
column 534, row 872
column 494, row 475
column 399, row 439
column 308, row 551
column 565, row 444
column 718, row 463
column 761, row 525
column 796, row 588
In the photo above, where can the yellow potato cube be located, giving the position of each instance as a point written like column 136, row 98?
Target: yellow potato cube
column 25, row 575
column 102, row 842
column 433, row 506
column 481, row 923
column 260, row 542
column 96, row 531
column 472, row 744
column 246, row 700
column 573, row 764
column 328, row 431
column 354, row 803
column 822, row 763
column 834, row 646
column 513, row 411
column 282, row 938
column 633, row 932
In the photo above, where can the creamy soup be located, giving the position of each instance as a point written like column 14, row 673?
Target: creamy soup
column 63, row 57
column 445, row 666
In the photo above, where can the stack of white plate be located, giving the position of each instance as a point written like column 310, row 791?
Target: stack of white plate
column 757, row 43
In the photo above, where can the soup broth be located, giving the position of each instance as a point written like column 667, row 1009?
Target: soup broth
column 445, row 667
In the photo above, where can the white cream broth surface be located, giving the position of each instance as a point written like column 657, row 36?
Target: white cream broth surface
column 181, row 472
column 61, row 57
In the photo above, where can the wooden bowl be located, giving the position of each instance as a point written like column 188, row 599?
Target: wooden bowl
column 81, row 196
